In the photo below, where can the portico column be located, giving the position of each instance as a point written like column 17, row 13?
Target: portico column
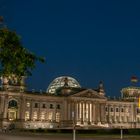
column 69, row 111
column 97, row 116
column 22, row 110
column 75, row 111
column 120, row 114
column 65, row 111
column 114, row 113
column 54, row 113
column 88, row 112
column 31, row 110
column 2, row 106
column 6, row 107
column 93, row 112
column 78, row 111
column 108, row 119
column 102, row 114
column 82, row 112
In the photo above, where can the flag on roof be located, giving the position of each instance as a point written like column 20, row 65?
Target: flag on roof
column 134, row 79
column 1, row 19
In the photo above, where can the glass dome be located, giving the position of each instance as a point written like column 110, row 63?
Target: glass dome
column 62, row 81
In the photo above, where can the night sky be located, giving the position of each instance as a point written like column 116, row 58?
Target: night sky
column 89, row 40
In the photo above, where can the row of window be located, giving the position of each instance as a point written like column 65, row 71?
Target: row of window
column 118, row 118
column 116, row 109
column 43, row 116
column 51, row 106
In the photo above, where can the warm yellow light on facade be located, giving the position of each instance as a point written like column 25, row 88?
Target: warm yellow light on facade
column 28, row 104
column 27, row 115
column 42, row 117
column 139, row 103
column 50, row 116
column 35, row 116
column 57, row 117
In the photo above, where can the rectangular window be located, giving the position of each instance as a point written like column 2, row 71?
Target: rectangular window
column 27, row 115
column 42, row 116
column 51, row 106
column 34, row 115
column 36, row 105
column 58, row 106
column 117, row 109
column 50, row 116
column 57, row 117
column 111, row 109
column 28, row 104
column 44, row 106
column 122, row 110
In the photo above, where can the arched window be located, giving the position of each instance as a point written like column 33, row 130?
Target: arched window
column 12, row 103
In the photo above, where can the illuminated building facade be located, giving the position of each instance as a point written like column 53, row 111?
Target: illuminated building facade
column 66, row 103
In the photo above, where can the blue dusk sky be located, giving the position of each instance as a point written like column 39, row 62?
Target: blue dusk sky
column 89, row 40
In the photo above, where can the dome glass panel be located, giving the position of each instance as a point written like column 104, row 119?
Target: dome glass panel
column 60, row 82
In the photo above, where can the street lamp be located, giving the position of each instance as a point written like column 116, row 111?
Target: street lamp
column 74, row 130
column 121, row 132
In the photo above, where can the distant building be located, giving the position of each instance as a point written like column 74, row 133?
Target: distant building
column 66, row 103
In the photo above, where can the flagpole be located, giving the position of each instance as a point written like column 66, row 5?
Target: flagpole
column 2, row 22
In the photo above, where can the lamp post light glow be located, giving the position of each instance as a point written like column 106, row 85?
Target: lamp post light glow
column 74, row 130
column 121, row 132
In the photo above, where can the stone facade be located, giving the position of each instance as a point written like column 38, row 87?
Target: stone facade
column 67, row 105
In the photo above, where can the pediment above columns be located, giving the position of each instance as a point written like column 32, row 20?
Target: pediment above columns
column 88, row 93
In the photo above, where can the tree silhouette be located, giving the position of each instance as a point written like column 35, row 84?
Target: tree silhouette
column 15, row 60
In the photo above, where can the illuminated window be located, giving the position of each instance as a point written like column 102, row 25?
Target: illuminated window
column 138, row 119
column 42, row 116
column 28, row 104
column 12, row 115
column 57, row 117
column 127, row 110
column 50, row 116
column 27, row 115
column 34, row 115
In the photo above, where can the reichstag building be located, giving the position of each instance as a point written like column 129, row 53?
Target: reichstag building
column 66, row 104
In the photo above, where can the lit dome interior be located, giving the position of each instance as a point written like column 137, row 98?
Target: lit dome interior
column 60, row 82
